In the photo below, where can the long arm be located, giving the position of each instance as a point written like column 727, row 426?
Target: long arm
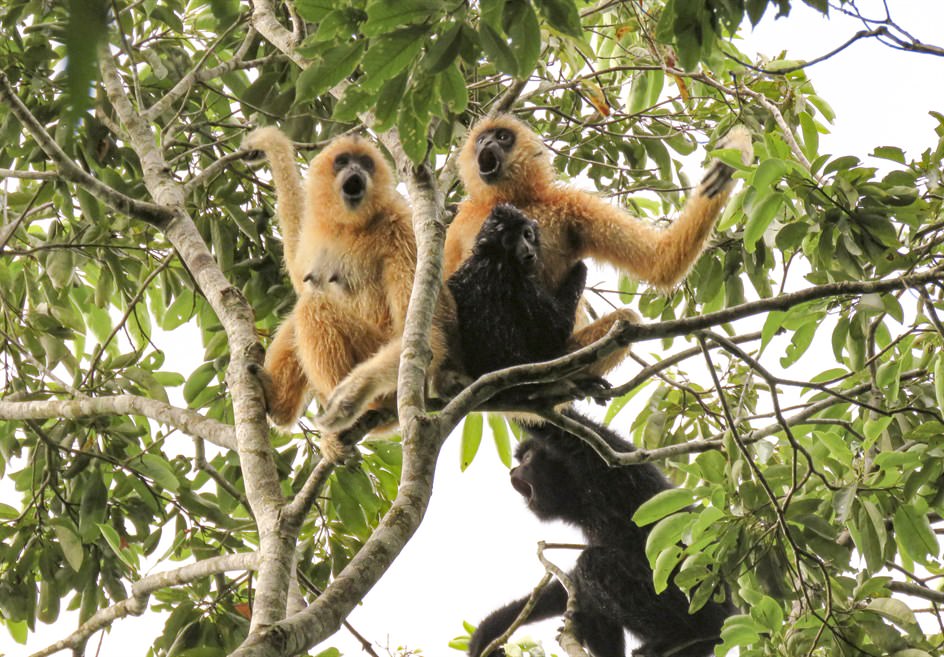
column 661, row 257
column 552, row 601
column 288, row 191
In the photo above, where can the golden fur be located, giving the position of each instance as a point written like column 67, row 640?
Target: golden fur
column 574, row 225
column 372, row 248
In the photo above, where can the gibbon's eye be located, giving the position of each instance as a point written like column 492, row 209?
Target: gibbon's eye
column 367, row 163
column 341, row 161
column 526, row 457
column 504, row 136
column 528, row 233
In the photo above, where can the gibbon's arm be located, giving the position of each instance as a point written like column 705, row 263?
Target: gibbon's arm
column 398, row 280
column 288, row 191
column 661, row 257
column 552, row 601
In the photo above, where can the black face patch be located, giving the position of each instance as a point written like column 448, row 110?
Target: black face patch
column 353, row 172
column 491, row 150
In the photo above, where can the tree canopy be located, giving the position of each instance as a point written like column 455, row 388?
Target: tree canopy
column 141, row 274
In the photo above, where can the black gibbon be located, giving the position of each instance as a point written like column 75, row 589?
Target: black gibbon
column 350, row 253
column 505, row 315
column 562, row 478
column 504, row 161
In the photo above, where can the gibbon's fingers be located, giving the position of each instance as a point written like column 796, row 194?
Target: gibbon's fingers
column 592, row 332
column 719, row 175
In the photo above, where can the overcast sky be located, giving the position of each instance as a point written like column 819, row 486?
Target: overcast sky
column 475, row 549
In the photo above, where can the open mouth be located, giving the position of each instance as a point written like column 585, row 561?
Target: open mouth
column 489, row 164
column 524, row 488
column 353, row 188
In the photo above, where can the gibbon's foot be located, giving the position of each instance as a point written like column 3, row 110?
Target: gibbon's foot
column 268, row 387
column 343, row 407
column 591, row 386
column 336, row 451
column 719, row 175
column 449, row 382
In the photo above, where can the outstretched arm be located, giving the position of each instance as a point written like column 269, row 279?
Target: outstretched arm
column 552, row 601
column 288, row 190
column 661, row 257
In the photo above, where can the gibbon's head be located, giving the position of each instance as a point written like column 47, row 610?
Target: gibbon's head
column 349, row 181
column 509, row 237
column 503, row 160
column 545, row 483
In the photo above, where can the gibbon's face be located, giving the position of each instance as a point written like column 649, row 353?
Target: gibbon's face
column 503, row 160
column 492, row 149
column 353, row 177
column 513, row 235
column 544, row 483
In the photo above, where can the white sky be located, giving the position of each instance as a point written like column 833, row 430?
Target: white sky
column 475, row 549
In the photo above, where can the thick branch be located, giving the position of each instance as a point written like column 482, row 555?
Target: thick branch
column 916, row 590
column 190, row 422
column 263, row 487
column 265, row 22
column 29, row 175
column 69, row 170
column 142, row 590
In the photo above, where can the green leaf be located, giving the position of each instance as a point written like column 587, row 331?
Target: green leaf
column 471, row 439
column 111, row 536
column 892, row 153
column 895, row 611
column 455, row 92
column 199, row 380
column 497, row 50
column 388, row 102
column 93, row 506
column 913, row 534
column 383, row 15
column 158, row 470
column 356, row 99
column 412, row 129
column 759, row 216
column 443, row 52
column 810, row 135
column 71, row 545
column 562, row 15
column 768, row 173
column 639, row 92
column 389, row 54
column 502, row 437
column 874, row 428
column 60, row 266
column 662, row 504
column 314, row 10
column 87, row 26
column 939, row 381
column 664, row 567
column 666, row 533
column 525, row 34
column 337, row 63
column 768, row 613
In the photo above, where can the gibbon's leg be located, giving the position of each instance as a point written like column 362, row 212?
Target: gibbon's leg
column 286, row 387
column 551, row 602
column 596, row 330
column 603, row 637
column 329, row 344
column 661, row 257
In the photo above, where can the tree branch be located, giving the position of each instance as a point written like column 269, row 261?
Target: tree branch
column 142, row 590
column 263, row 486
column 567, row 638
column 69, row 170
column 190, row 422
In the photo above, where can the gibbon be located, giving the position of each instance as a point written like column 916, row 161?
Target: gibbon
column 504, row 313
column 350, row 254
column 560, row 477
column 504, row 161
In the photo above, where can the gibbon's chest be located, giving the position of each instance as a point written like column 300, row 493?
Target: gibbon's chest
column 351, row 277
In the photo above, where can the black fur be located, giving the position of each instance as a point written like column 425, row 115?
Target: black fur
column 561, row 477
column 506, row 316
